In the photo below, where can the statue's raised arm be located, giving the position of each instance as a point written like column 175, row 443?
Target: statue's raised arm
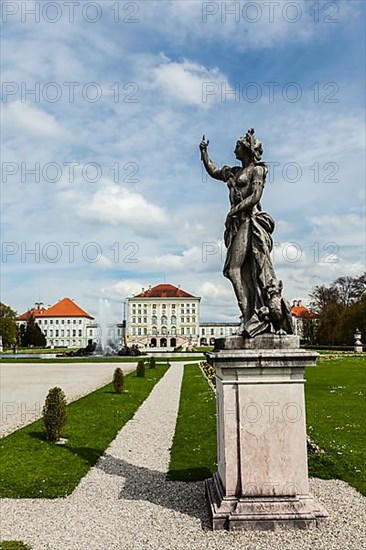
column 211, row 168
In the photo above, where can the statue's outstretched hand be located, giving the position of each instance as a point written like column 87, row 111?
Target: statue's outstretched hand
column 204, row 145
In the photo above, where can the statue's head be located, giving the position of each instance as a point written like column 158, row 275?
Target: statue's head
column 250, row 144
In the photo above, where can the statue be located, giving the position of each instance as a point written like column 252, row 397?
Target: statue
column 248, row 239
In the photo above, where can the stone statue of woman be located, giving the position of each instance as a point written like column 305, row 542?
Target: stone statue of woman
column 248, row 239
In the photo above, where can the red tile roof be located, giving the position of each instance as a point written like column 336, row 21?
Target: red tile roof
column 164, row 291
column 63, row 308
column 36, row 312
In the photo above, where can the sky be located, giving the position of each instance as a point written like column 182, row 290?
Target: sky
column 103, row 108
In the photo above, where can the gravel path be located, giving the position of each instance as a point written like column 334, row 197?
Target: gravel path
column 24, row 387
column 125, row 501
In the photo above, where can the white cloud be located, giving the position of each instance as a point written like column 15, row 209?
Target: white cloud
column 188, row 82
column 242, row 25
column 343, row 230
column 34, row 121
column 114, row 204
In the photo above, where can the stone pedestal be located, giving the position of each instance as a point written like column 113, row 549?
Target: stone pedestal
column 262, row 477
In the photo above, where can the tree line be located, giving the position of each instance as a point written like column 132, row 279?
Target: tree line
column 25, row 336
column 340, row 308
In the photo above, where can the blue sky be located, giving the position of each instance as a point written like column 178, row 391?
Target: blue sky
column 156, row 218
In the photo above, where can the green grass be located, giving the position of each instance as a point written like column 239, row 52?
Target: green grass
column 31, row 467
column 92, row 359
column 13, row 545
column 204, row 348
column 336, row 419
column 193, row 453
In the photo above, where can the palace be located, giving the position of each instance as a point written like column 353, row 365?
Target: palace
column 163, row 316
column 64, row 324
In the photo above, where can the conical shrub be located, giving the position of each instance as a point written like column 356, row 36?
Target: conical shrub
column 152, row 362
column 54, row 413
column 140, row 369
column 118, row 380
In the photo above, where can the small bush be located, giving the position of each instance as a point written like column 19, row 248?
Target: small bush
column 54, row 413
column 118, row 380
column 152, row 362
column 140, row 369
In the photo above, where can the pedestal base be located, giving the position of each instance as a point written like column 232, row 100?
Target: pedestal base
column 264, row 513
column 262, row 476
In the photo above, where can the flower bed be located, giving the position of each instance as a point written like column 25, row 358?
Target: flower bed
column 210, row 373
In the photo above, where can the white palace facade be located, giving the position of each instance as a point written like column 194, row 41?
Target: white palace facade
column 64, row 324
column 163, row 316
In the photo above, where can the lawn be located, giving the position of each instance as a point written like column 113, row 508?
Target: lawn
column 193, row 453
column 336, row 419
column 31, row 467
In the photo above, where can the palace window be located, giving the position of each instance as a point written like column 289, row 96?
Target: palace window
column 154, row 319
column 164, row 320
column 173, row 320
